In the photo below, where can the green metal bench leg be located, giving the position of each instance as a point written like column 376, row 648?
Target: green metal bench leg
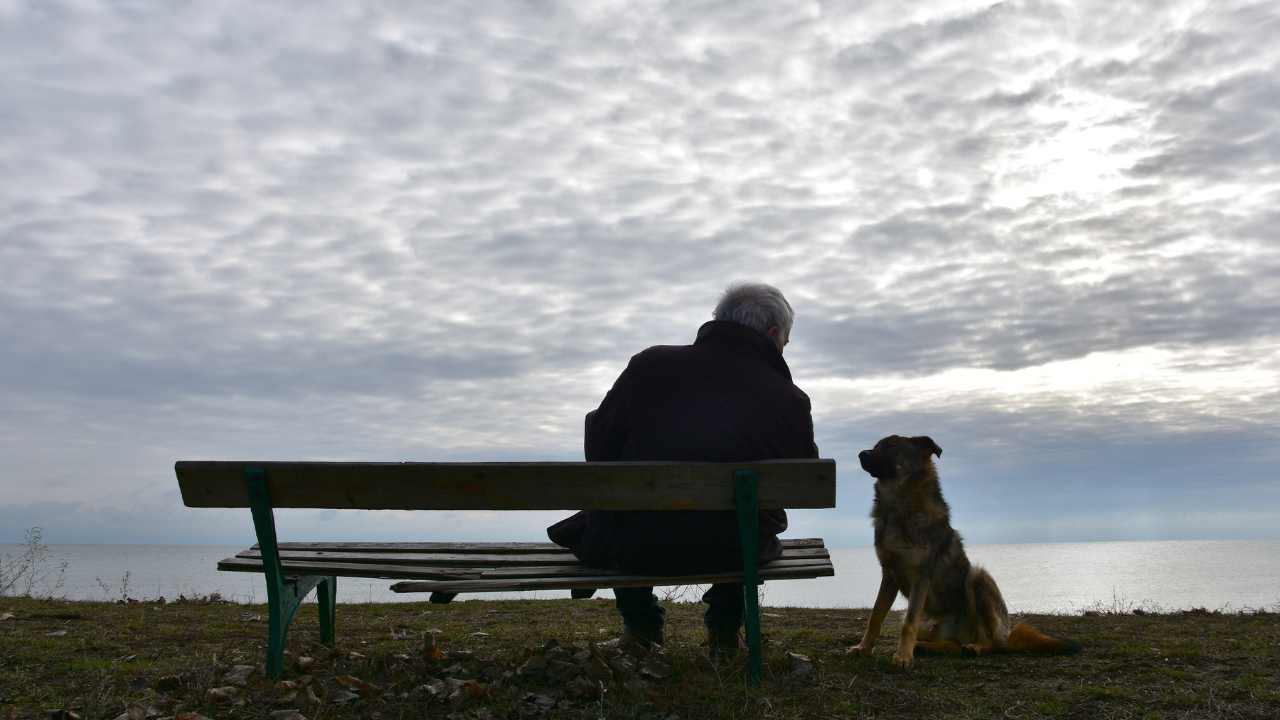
column 746, row 490
column 284, row 594
column 327, row 598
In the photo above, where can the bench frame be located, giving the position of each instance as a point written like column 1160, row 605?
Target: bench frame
column 286, row 592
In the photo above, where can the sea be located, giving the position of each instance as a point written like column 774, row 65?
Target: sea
column 1069, row 578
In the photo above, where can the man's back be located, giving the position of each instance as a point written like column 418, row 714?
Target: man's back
column 728, row 397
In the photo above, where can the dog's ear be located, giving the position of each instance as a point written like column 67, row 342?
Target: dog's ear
column 926, row 443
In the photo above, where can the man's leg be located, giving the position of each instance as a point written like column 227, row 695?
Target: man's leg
column 642, row 616
column 723, row 618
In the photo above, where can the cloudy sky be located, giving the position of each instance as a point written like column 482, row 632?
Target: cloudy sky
column 1044, row 233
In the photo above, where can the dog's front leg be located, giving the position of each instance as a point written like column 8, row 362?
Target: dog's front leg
column 911, row 623
column 884, row 600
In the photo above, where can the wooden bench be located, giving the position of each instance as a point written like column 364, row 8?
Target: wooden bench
column 292, row 570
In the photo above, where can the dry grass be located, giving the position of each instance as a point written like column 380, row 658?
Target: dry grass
column 97, row 658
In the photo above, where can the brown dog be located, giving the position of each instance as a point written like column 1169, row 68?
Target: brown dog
column 924, row 559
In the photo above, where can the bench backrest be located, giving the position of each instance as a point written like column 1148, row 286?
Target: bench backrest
column 509, row 486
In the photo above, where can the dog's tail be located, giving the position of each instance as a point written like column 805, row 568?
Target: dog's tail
column 1024, row 638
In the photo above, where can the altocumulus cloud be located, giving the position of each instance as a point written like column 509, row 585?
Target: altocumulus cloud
column 1043, row 233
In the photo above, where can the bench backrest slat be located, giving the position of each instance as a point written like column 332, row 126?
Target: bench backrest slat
column 509, row 486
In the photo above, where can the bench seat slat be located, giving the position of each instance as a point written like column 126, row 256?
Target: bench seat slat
column 605, row 581
column 395, row 572
column 451, row 560
column 477, row 548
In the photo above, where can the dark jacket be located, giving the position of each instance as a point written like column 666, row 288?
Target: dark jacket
column 728, row 397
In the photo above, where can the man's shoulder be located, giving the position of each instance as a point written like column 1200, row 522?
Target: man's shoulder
column 660, row 353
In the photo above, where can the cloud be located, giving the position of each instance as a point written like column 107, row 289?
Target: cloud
column 346, row 232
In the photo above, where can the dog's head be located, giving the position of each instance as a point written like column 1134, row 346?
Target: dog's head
column 897, row 456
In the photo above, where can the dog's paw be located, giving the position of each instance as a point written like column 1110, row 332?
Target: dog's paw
column 859, row 649
column 902, row 660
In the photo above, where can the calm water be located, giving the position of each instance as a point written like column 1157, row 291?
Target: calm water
column 1067, row 577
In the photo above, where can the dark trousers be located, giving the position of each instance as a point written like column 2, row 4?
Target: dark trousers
column 644, row 617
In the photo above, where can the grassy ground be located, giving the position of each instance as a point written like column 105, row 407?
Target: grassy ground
column 489, row 661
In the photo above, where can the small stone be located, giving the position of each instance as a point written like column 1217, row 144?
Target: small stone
column 535, row 664
column 622, row 666
column 168, row 683
column 250, row 617
column 355, row 683
column 583, row 688
column 57, row 633
column 227, row 695
column 7, row 616
column 339, row 697
column 238, row 675
column 304, row 663
column 474, row 634
column 656, row 666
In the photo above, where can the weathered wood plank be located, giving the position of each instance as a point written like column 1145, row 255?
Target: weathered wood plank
column 584, row 571
column 605, row 581
column 460, row 560
column 477, row 548
column 369, row 570
column 509, row 486
column 558, row 577
column 401, row 572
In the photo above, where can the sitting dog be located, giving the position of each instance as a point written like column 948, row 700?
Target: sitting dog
column 924, row 559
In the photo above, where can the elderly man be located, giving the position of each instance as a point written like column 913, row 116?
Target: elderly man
column 727, row 397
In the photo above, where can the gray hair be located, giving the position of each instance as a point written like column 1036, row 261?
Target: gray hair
column 758, row 306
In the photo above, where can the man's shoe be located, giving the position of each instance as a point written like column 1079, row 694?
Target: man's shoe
column 633, row 643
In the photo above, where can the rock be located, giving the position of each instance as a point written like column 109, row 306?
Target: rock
column 7, row 616
column 169, row 683
column 622, row 666
column 250, row 617
column 583, row 688
column 304, row 663
column 354, row 683
column 535, row 664
column 656, row 666
column 227, row 695
column 57, row 633
column 562, row 670
column 597, row 669
column 801, row 666
column 534, row 705
column 436, row 689
column 238, row 675
column 291, row 714
column 339, row 697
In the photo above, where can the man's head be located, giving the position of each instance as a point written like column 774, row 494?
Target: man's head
column 758, row 306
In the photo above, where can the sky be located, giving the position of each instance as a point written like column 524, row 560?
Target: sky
column 1044, row 234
